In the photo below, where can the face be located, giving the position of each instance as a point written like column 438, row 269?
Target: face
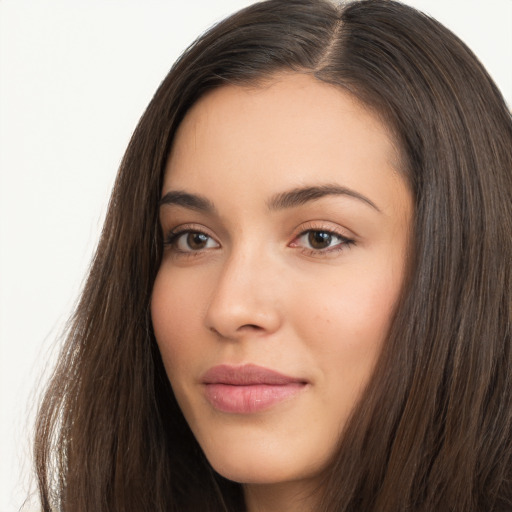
column 285, row 223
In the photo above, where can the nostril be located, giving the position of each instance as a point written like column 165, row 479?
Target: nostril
column 212, row 329
column 251, row 327
column 242, row 328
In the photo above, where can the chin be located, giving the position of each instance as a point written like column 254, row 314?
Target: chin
column 264, row 466
column 245, row 472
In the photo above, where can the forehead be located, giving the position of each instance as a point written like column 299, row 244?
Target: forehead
column 287, row 132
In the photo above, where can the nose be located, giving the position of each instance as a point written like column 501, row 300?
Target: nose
column 245, row 300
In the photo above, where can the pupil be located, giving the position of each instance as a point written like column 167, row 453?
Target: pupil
column 319, row 239
column 197, row 240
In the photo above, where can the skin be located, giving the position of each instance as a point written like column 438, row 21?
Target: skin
column 255, row 290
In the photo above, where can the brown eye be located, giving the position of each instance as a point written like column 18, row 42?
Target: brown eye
column 197, row 241
column 320, row 239
column 191, row 241
column 321, row 242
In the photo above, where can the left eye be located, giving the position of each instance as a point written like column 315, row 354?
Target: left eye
column 189, row 241
column 320, row 240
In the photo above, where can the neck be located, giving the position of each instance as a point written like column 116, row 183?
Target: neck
column 282, row 497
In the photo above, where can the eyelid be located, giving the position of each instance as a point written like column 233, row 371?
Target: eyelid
column 327, row 226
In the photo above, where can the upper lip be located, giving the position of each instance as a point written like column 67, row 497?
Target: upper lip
column 247, row 375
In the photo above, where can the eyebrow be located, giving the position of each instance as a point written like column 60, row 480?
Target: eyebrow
column 302, row 195
column 190, row 201
column 289, row 199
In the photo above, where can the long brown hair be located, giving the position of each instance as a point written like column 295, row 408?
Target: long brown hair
column 433, row 430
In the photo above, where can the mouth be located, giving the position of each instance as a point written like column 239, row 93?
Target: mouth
column 249, row 388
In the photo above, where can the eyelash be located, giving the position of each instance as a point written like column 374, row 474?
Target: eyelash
column 343, row 243
column 173, row 237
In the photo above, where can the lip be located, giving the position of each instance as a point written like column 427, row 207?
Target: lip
column 249, row 388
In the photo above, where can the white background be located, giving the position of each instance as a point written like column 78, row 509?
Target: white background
column 75, row 76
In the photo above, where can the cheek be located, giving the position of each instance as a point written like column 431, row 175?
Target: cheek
column 345, row 324
column 360, row 303
column 176, row 318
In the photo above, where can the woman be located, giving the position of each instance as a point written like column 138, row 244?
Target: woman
column 301, row 299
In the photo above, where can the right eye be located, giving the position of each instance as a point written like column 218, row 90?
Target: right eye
column 191, row 241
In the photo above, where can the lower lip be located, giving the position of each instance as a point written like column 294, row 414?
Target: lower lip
column 250, row 398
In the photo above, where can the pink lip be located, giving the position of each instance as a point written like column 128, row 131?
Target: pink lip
column 249, row 388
